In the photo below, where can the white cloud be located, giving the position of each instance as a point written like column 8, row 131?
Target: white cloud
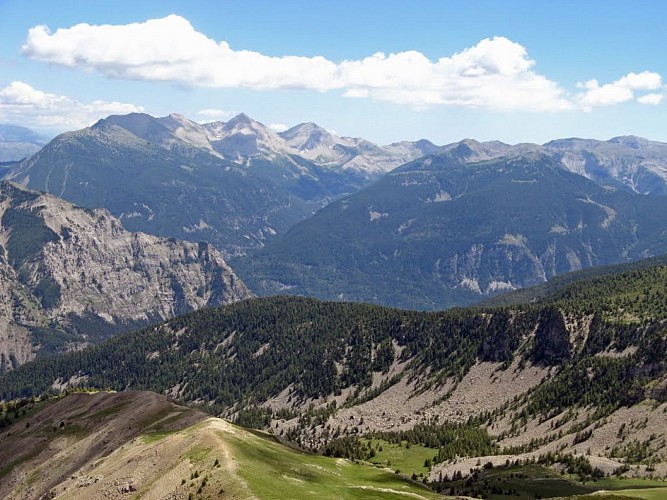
column 621, row 90
column 216, row 114
column 651, row 99
column 278, row 127
column 24, row 105
column 646, row 80
column 495, row 73
column 169, row 49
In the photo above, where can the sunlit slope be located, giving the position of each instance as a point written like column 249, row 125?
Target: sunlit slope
column 110, row 445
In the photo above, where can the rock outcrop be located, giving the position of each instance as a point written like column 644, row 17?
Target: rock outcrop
column 72, row 276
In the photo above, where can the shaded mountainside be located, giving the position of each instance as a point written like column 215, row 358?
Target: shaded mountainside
column 138, row 444
column 250, row 146
column 440, row 231
column 72, row 276
column 581, row 373
column 182, row 192
column 235, row 184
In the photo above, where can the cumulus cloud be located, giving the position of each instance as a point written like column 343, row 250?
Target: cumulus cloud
column 651, row 99
column 170, row 49
column 622, row 90
column 495, row 73
column 22, row 104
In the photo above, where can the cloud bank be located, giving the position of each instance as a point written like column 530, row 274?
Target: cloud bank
column 622, row 90
column 495, row 73
column 21, row 103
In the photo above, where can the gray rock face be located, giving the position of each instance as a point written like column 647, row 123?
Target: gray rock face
column 630, row 162
column 245, row 141
column 79, row 275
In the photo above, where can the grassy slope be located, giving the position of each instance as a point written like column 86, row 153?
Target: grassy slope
column 408, row 460
column 155, row 456
column 274, row 471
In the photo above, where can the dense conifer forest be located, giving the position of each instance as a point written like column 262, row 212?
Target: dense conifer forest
column 243, row 354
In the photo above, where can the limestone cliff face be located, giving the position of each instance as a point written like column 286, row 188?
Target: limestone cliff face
column 81, row 276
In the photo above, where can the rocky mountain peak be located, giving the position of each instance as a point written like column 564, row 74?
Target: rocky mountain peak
column 242, row 138
column 242, row 123
column 631, row 141
column 309, row 136
column 466, row 150
column 137, row 123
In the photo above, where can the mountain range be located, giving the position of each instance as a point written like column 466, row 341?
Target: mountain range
column 247, row 141
column 306, row 211
column 235, row 184
column 625, row 162
column 555, row 389
column 455, row 226
column 17, row 143
column 576, row 381
column 72, row 277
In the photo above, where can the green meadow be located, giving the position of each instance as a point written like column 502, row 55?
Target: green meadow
column 272, row 470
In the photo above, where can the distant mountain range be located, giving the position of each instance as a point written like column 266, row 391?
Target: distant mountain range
column 247, row 142
column 448, row 229
column 71, row 277
column 627, row 162
column 235, row 184
column 454, row 224
column 17, row 142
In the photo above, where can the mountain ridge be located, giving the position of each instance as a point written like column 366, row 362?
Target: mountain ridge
column 74, row 276
column 17, row 143
column 113, row 445
column 569, row 377
column 443, row 231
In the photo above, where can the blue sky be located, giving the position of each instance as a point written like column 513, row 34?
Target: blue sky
column 517, row 71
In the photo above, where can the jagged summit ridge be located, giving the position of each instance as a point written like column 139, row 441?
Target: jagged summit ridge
column 628, row 162
column 244, row 140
